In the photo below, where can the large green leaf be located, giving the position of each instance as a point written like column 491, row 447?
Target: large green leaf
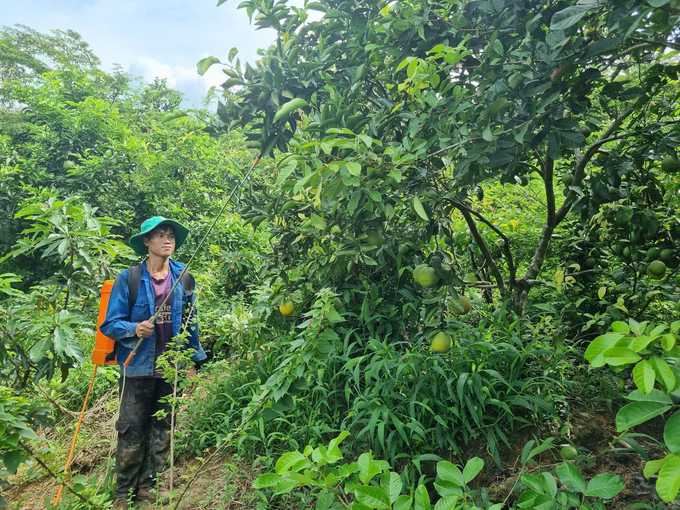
column 422, row 498
column 267, row 480
column 663, row 372
column 373, row 497
column 418, row 207
column 643, row 374
column 570, row 477
column 204, row 64
column 617, row 356
column 653, row 396
column 472, row 469
column 11, row 460
column 289, row 460
column 450, row 473
column 403, row 502
column 569, row 17
column 597, row 347
column 325, row 500
column 668, row 483
column 653, row 466
column 391, row 484
column 671, row 433
column 636, row 413
column 368, row 468
column 447, row 503
column 604, row 486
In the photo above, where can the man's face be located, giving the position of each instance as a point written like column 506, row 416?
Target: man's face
column 161, row 241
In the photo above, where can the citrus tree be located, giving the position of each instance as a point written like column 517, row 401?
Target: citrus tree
column 393, row 115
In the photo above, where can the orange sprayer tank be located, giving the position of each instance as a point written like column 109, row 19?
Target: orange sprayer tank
column 103, row 345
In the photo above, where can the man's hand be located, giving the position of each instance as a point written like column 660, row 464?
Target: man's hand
column 144, row 329
column 191, row 373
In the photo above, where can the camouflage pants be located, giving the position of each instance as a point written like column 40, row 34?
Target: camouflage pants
column 143, row 440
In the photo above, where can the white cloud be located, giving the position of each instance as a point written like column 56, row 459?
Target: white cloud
column 179, row 77
column 151, row 38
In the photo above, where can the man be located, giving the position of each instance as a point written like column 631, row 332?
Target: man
column 144, row 440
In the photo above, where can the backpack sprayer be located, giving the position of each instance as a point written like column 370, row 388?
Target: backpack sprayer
column 104, row 346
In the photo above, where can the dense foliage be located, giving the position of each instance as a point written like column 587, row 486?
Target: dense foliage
column 463, row 196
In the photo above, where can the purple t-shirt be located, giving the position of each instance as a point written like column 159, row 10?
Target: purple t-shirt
column 163, row 326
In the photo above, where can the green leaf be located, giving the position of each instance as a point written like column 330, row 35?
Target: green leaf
column 373, row 497
column 449, row 472
column 204, row 64
column 418, row 206
column 38, row 350
column 422, row 498
column 367, row 468
column 175, row 114
column 568, row 17
column 231, row 82
column 594, row 352
column 288, row 460
column 572, row 139
column 472, row 469
column 668, row 342
column 663, row 372
column 290, row 107
column 653, row 396
column 671, row 433
column 533, row 483
column 284, row 174
column 602, row 46
column 447, row 503
column 487, row 135
column 403, row 503
column 549, row 483
column 353, row 168
column 638, row 412
column 654, row 466
column 643, row 375
column 570, row 477
column 617, row 356
column 26, row 433
column 446, row 488
column 668, row 483
column 268, row 480
column 604, row 486
column 499, row 158
column 325, row 500
column 12, row 460
column 620, row 327
column 392, row 485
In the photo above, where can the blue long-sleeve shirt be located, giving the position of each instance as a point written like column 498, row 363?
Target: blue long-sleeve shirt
column 121, row 320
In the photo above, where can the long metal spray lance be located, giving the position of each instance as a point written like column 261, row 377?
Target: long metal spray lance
column 186, row 267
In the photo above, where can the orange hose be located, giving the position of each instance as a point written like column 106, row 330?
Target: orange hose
column 75, row 436
column 129, row 359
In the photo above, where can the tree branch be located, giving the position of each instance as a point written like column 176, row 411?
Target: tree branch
column 483, row 247
column 550, row 223
column 506, row 241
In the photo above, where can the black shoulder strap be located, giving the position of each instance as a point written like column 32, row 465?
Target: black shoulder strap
column 188, row 283
column 134, row 279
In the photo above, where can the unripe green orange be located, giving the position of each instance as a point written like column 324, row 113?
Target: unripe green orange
column 656, row 270
column 427, row 277
column 568, row 453
column 441, row 342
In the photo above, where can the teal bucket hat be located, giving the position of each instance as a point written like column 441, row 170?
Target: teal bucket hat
column 137, row 240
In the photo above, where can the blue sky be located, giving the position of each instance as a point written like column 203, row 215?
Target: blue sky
column 150, row 38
